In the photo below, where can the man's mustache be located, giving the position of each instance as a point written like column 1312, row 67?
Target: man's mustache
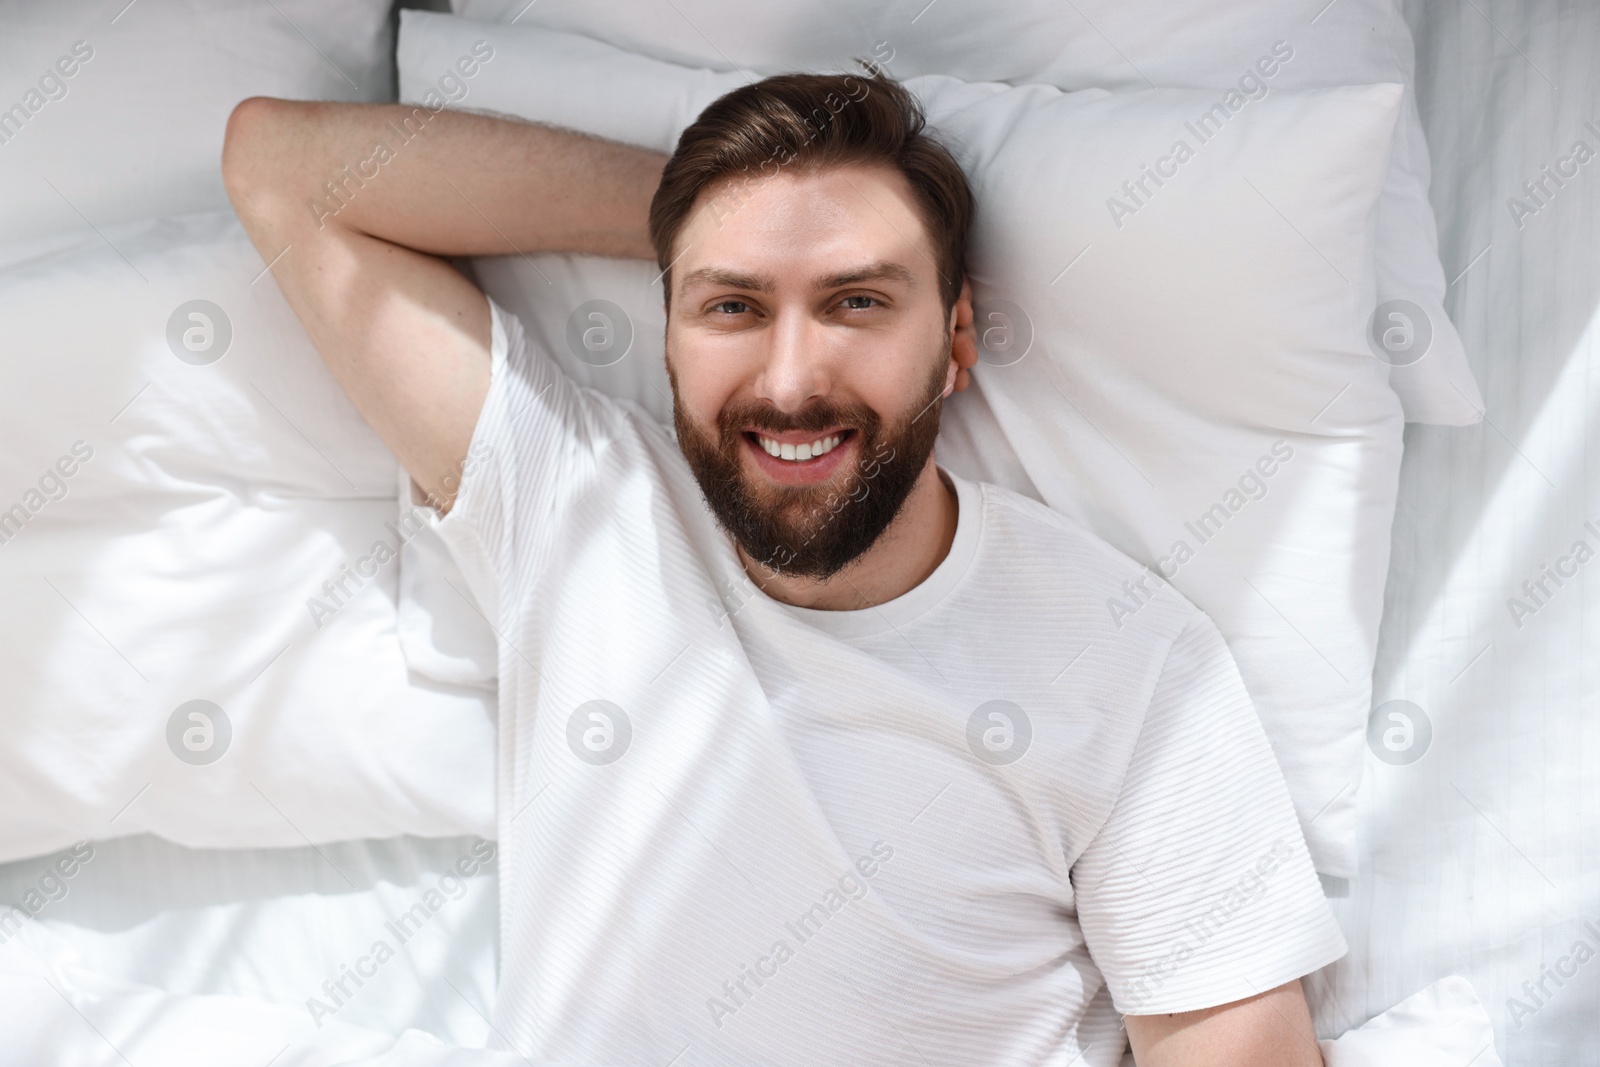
column 812, row 419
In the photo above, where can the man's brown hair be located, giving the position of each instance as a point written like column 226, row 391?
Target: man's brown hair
column 811, row 122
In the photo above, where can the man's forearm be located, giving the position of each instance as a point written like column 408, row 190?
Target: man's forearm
column 352, row 205
column 447, row 183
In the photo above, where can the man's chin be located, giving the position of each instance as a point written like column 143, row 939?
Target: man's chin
column 793, row 519
column 812, row 532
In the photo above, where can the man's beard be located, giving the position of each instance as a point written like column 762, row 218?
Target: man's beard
column 812, row 531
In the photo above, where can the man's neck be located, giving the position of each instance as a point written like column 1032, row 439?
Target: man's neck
column 913, row 546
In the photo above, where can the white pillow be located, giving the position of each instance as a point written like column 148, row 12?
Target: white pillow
column 1179, row 361
column 1111, row 44
column 165, row 523
column 1443, row 1025
column 129, row 124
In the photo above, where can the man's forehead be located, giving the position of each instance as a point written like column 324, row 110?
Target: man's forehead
column 854, row 218
column 762, row 282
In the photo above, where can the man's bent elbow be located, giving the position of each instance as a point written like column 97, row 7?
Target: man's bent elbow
column 251, row 146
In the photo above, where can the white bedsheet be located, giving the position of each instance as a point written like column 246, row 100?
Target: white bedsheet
column 1482, row 857
column 54, row 1010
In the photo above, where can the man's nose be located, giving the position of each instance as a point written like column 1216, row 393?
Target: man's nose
column 797, row 363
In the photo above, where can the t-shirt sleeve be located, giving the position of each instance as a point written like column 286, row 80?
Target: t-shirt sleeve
column 534, row 448
column 1199, row 890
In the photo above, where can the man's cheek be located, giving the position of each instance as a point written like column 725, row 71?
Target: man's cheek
column 698, row 391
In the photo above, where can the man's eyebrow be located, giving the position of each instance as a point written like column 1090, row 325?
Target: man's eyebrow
column 733, row 279
column 883, row 269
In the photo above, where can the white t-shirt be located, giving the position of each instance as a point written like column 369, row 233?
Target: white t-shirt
column 970, row 825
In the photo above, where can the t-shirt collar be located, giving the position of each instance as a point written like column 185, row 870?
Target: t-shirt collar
column 866, row 622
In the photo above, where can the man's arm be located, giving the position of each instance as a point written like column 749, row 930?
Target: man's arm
column 1270, row 1030
column 402, row 331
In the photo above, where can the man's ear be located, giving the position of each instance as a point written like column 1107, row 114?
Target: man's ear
column 963, row 339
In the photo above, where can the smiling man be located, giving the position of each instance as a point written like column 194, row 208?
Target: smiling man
column 971, row 822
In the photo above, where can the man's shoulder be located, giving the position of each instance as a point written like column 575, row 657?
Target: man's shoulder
column 1029, row 542
column 518, row 355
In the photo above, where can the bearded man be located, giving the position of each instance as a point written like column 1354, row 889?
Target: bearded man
column 906, row 796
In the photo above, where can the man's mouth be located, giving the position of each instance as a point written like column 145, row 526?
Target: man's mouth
column 799, row 457
column 804, row 450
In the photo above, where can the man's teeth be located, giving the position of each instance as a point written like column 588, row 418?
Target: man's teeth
column 781, row 450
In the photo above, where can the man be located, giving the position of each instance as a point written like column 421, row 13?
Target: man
column 902, row 796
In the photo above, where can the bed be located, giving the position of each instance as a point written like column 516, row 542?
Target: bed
column 1479, row 858
column 1477, row 853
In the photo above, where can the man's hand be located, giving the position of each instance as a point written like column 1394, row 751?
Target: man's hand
column 352, row 203
column 1270, row 1030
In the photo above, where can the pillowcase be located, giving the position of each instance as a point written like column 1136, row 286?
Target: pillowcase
column 1192, row 384
column 1112, row 44
column 199, row 634
column 1443, row 1025
column 111, row 112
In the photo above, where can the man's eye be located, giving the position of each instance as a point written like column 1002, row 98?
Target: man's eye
column 864, row 302
column 731, row 307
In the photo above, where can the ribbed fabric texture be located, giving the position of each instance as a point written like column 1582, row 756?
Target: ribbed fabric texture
column 969, row 825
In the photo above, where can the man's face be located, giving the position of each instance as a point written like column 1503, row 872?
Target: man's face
column 805, row 320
